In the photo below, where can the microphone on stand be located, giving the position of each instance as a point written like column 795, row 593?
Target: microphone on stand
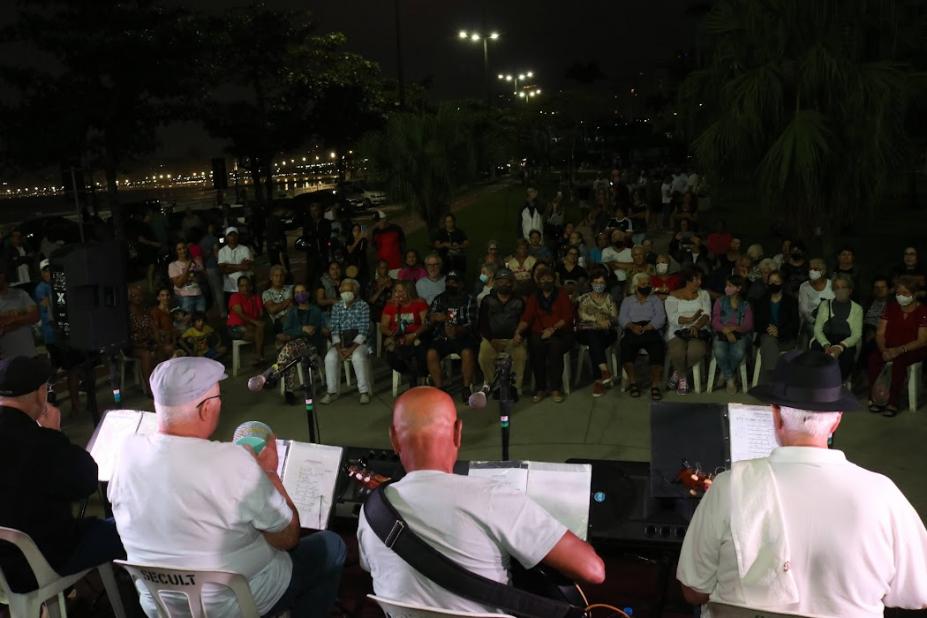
column 264, row 380
column 478, row 400
column 254, row 434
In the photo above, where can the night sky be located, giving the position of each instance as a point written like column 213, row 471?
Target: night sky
column 625, row 37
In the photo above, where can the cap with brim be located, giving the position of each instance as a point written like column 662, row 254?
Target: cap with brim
column 184, row 380
column 21, row 375
column 43, row 264
column 231, row 230
column 453, row 274
column 810, row 381
column 504, row 273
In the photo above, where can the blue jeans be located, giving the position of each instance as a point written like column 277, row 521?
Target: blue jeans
column 729, row 355
column 313, row 589
column 192, row 303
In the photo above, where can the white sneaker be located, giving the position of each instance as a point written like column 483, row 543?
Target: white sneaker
column 328, row 398
column 365, row 398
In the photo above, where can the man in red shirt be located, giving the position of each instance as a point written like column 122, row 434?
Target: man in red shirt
column 719, row 241
column 548, row 319
column 246, row 317
column 390, row 242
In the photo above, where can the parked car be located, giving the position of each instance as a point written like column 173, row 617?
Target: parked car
column 362, row 196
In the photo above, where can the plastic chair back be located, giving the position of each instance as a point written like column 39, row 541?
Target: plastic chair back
column 397, row 609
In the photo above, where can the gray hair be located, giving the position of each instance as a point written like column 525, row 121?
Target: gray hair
column 816, row 424
column 755, row 252
column 636, row 280
column 168, row 415
column 768, row 265
column 352, row 282
column 845, row 278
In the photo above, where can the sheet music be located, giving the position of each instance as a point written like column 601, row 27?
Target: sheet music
column 753, row 434
column 309, row 476
column 562, row 489
column 107, row 441
column 148, row 424
column 512, row 474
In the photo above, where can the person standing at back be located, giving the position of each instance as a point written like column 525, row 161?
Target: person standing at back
column 531, row 215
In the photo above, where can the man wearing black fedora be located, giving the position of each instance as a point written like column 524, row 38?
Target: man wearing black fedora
column 804, row 530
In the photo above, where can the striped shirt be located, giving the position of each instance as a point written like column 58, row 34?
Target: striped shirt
column 355, row 317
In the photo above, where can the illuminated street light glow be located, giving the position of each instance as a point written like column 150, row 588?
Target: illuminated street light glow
column 332, row 155
column 474, row 37
column 494, row 36
column 462, row 34
column 530, row 73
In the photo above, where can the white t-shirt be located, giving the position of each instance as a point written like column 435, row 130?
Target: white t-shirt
column 680, row 183
column 192, row 503
column 681, row 307
column 856, row 544
column 809, row 299
column 666, row 193
column 610, row 254
column 239, row 254
column 475, row 522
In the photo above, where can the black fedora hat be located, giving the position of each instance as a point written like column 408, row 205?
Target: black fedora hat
column 808, row 380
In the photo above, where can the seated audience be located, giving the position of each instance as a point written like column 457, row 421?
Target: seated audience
column 621, row 221
column 812, row 292
column 696, row 255
column 18, row 314
column 846, row 264
column 184, row 273
column 719, row 240
column 246, row 523
column 570, row 275
column 732, row 322
column 784, row 253
column 911, row 267
column 430, row 286
column 412, row 270
column 278, row 298
column 350, row 328
column 379, row 290
column 451, row 243
column 775, row 321
column 500, row 313
column 326, row 293
column 662, row 281
column 618, row 257
column 164, row 334
column 521, row 264
column 401, row 324
column 485, row 282
column 688, row 313
column 759, row 279
column 355, row 252
column 597, row 315
column 234, row 260
column 537, row 248
column 838, row 327
column 476, row 522
column 642, row 318
column 246, row 317
column 200, row 339
column 795, row 268
column 301, row 329
column 901, row 339
column 141, row 335
column 492, row 255
column 549, row 318
column 453, row 319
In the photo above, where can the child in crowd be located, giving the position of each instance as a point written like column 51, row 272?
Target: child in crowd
column 201, row 340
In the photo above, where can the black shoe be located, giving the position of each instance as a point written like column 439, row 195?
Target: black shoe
column 465, row 392
column 289, row 397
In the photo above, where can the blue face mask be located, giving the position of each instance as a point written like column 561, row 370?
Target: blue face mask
column 598, row 288
column 484, row 277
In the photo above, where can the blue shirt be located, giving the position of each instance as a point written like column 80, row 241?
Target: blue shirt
column 42, row 291
column 650, row 311
column 345, row 318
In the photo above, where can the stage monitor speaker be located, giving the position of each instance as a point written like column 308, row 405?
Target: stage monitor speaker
column 220, row 177
column 90, row 296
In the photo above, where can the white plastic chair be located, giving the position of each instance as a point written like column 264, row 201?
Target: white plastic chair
column 398, row 609
column 567, row 373
column 51, row 584
column 137, row 369
column 237, row 344
column 915, row 374
column 583, row 358
column 713, row 369
column 189, row 583
column 299, row 376
column 726, row 610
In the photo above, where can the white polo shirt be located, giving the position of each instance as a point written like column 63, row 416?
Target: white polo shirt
column 856, row 543
column 475, row 522
column 239, row 254
column 610, row 254
column 191, row 503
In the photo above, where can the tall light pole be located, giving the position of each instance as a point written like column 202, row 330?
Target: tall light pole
column 476, row 37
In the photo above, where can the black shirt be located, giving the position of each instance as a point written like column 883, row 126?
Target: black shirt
column 499, row 320
column 41, row 474
column 454, row 236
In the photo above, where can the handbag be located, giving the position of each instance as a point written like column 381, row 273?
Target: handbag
column 881, row 388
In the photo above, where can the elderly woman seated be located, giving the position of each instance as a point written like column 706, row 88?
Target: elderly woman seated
column 838, row 328
column 642, row 318
column 301, row 328
column 595, row 328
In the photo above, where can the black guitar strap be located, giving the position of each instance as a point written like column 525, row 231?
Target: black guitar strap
column 395, row 533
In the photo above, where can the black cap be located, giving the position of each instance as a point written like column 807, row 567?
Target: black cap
column 809, row 381
column 20, row 375
column 453, row 274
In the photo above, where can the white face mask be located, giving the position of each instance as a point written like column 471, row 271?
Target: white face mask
column 904, row 300
column 347, row 296
column 662, row 267
column 814, row 275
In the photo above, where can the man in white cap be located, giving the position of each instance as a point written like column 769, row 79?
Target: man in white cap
column 805, row 531
column 183, row 501
column 235, row 260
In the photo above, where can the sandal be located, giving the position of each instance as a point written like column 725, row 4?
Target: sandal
column 875, row 408
column 539, row 396
column 890, row 411
column 656, row 394
column 634, row 390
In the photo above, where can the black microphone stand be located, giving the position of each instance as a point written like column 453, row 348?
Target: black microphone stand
column 504, row 390
column 309, row 365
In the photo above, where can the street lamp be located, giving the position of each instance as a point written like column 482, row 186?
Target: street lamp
column 476, row 37
column 516, row 78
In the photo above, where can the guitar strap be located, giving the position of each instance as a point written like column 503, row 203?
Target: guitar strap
column 395, row 533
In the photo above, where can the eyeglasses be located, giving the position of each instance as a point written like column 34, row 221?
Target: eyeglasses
column 432, row 264
column 207, row 399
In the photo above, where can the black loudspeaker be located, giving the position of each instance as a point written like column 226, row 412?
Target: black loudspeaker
column 90, row 296
column 220, row 177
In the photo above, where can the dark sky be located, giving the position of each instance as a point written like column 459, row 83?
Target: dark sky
column 625, row 37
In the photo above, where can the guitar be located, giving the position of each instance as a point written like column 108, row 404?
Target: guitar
column 539, row 580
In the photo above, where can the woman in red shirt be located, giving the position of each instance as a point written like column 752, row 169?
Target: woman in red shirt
column 246, row 317
column 662, row 282
column 548, row 322
column 401, row 323
column 901, row 339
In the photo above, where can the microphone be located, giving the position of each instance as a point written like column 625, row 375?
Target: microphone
column 478, row 400
column 267, row 379
column 254, row 434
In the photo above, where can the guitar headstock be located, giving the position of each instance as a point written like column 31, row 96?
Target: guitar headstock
column 694, row 478
column 368, row 479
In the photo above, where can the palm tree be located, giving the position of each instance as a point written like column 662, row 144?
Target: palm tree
column 805, row 99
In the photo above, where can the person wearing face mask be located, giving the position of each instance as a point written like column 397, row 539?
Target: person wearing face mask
column 839, row 325
column 453, row 318
column 500, row 312
column 795, row 268
column 618, row 256
column 350, row 327
column 402, row 324
column 570, row 275
column 817, row 288
column 911, row 267
column 642, row 318
column 301, row 328
column 732, row 321
column 485, row 282
column 549, row 318
column 662, row 280
column 595, row 329
column 901, row 339
column 759, row 278
column 775, row 322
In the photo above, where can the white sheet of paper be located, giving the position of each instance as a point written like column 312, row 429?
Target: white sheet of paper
column 309, row 476
column 512, row 474
column 752, row 432
column 114, row 429
column 563, row 490
column 148, row 424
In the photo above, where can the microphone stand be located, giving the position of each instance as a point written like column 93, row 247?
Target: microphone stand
column 309, row 366
column 504, row 387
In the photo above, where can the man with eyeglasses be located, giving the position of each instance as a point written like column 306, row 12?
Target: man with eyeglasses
column 429, row 287
column 183, row 501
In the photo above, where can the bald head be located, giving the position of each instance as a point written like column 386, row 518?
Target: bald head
column 426, row 431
